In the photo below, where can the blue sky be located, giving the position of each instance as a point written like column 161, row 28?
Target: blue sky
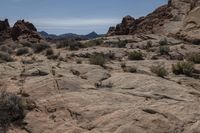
column 75, row 16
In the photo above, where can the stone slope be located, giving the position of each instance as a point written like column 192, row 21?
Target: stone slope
column 21, row 31
column 86, row 98
column 177, row 18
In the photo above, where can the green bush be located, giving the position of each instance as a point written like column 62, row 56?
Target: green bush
column 196, row 42
column 75, row 45
column 27, row 44
column 149, row 45
column 11, row 108
column 159, row 70
column 123, row 65
column 40, row 47
column 135, row 55
column 122, row 44
column 5, row 57
column 183, row 67
column 91, row 43
column 97, row 59
column 79, row 61
column 6, row 49
column 49, row 52
column 164, row 50
column 163, row 42
column 193, row 57
column 53, row 56
column 62, row 44
column 131, row 69
column 22, row 51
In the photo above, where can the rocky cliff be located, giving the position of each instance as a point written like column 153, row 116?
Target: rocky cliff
column 4, row 29
column 21, row 31
column 178, row 17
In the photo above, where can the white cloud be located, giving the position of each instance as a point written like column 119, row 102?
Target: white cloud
column 73, row 23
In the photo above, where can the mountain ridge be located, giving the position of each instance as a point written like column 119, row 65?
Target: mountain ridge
column 91, row 35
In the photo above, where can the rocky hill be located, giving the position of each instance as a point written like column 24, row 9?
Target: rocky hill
column 136, row 83
column 179, row 18
column 91, row 35
column 21, row 31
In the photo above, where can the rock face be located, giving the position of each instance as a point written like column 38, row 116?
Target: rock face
column 4, row 29
column 85, row 98
column 24, row 30
column 178, row 18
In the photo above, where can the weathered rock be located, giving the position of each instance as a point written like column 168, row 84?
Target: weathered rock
column 178, row 18
column 4, row 30
column 25, row 30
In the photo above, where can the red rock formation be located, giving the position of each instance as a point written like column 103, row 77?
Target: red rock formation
column 25, row 29
column 4, row 29
column 146, row 24
column 177, row 18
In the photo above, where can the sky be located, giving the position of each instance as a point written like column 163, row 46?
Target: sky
column 75, row 16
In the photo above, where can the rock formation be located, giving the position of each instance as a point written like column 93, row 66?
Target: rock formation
column 4, row 29
column 21, row 31
column 179, row 18
column 24, row 30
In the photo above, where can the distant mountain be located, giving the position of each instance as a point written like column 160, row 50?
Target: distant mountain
column 91, row 35
column 46, row 35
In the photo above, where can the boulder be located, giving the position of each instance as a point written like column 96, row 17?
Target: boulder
column 4, row 29
column 24, row 30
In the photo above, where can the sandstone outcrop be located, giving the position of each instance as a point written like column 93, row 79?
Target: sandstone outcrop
column 178, row 18
column 4, row 29
column 24, row 30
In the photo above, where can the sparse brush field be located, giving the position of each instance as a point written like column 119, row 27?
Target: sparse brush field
column 74, row 80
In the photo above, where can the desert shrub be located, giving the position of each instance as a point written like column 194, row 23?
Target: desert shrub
column 193, row 57
column 183, row 67
column 11, row 108
column 163, row 42
column 49, row 52
column 130, row 69
column 40, row 47
column 159, row 70
column 53, row 56
column 110, row 55
column 91, row 43
column 74, row 45
column 22, row 51
column 135, row 55
column 164, row 50
column 78, row 61
column 149, row 45
column 123, row 65
column 62, row 44
column 5, row 57
column 182, row 46
column 70, row 43
column 196, row 41
column 6, row 49
column 26, row 44
column 97, row 59
column 122, row 44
